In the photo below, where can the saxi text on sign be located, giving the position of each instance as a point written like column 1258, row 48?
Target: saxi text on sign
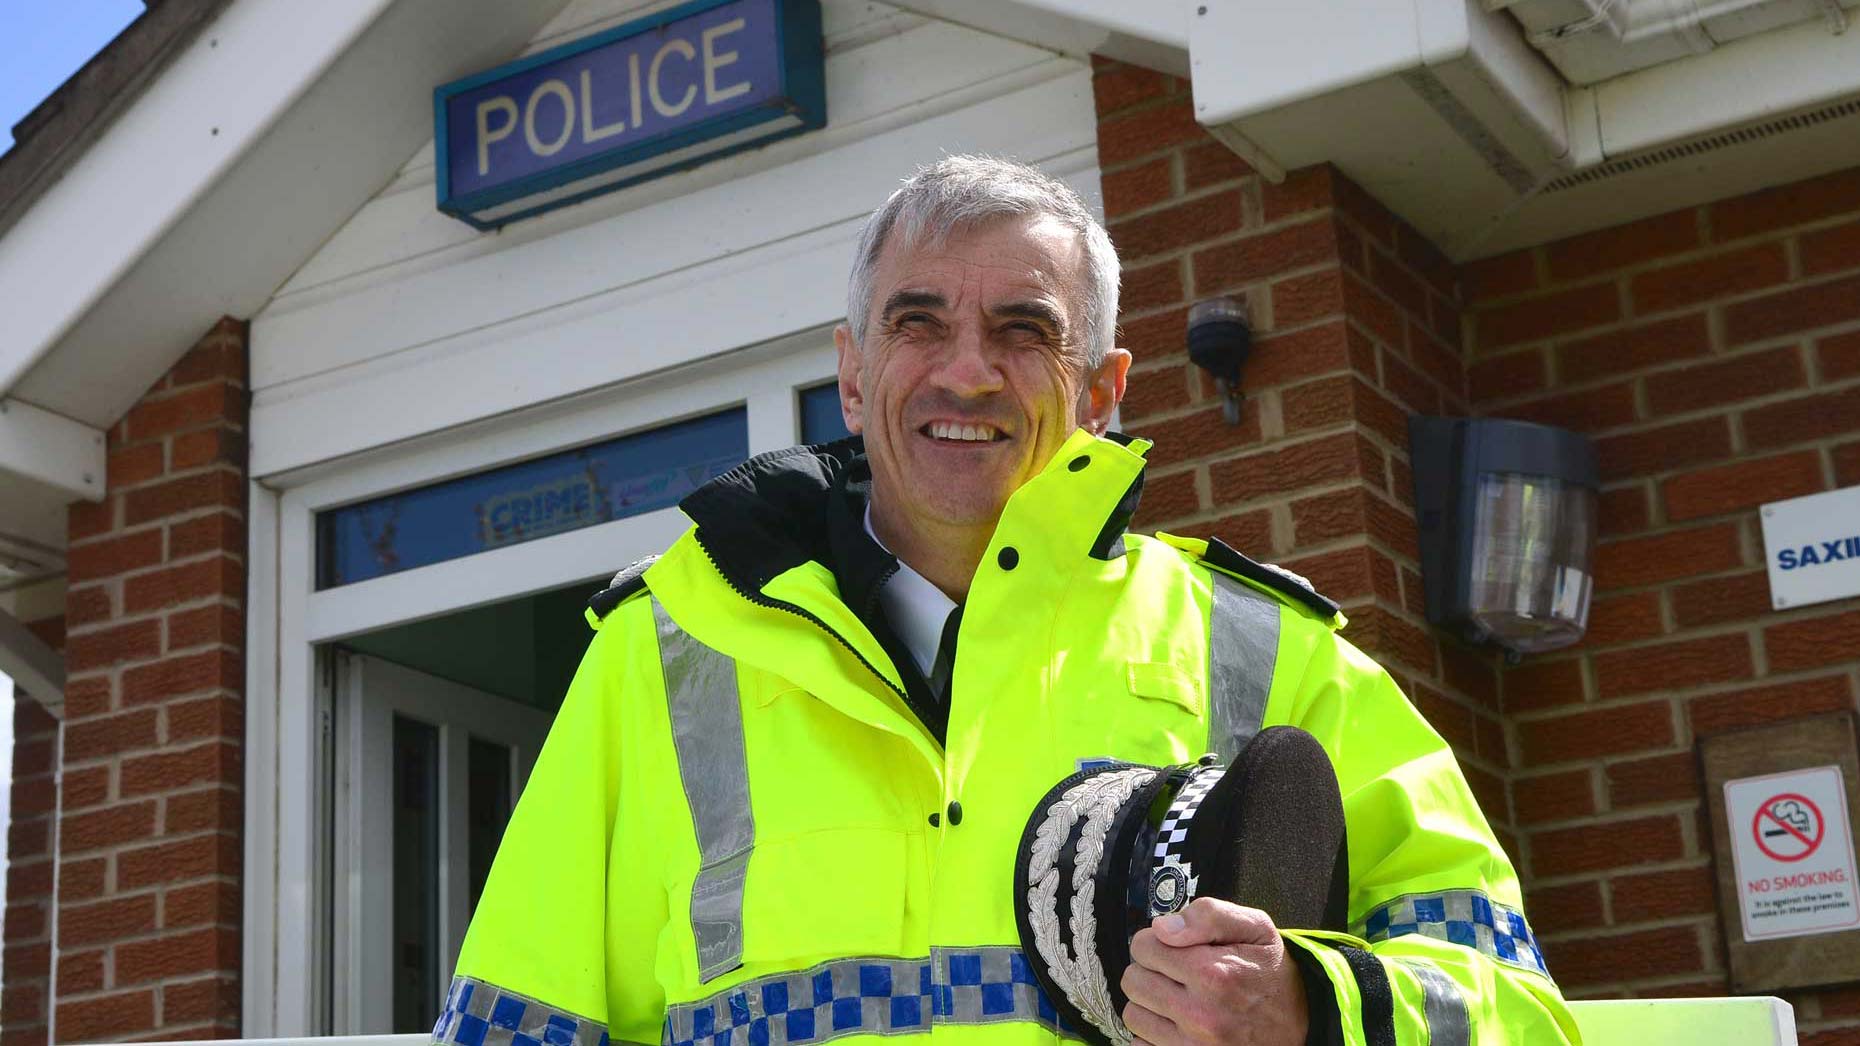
column 638, row 100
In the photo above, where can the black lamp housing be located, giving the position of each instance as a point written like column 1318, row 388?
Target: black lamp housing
column 1219, row 341
column 1506, row 511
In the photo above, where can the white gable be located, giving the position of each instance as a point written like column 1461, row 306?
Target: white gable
column 743, row 250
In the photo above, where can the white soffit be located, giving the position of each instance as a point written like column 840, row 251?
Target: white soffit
column 1439, row 108
column 1590, row 41
column 32, row 530
column 1444, row 111
column 1685, row 174
column 270, row 128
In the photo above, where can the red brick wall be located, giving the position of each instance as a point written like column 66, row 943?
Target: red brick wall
column 1714, row 355
column 149, row 846
column 25, row 968
column 1356, row 326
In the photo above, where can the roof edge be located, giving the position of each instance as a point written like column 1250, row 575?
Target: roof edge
column 58, row 131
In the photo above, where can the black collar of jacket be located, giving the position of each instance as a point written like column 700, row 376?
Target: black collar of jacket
column 777, row 510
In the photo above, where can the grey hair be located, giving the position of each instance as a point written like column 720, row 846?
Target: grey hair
column 962, row 191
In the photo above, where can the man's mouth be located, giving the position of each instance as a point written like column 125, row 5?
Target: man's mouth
column 962, row 432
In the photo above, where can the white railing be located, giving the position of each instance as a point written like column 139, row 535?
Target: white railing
column 1755, row 1021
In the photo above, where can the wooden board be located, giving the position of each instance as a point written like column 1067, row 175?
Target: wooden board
column 1791, row 962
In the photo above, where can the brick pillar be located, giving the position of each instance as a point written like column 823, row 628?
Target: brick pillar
column 1714, row 355
column 25, row 970
column 1356, row 322
column 149, row 848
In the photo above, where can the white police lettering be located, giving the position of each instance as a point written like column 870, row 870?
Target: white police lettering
column 584, row 112
column 548, row 88
column 715, row 60
column 486, row 136
column 589, row 132
column 684, row 49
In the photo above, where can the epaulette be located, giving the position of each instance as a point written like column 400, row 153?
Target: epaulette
column 1225, row 557
column 623, row 587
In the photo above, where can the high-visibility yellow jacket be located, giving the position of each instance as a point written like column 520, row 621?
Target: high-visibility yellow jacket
column 729, row 840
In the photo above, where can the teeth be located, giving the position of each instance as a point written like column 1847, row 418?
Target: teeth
column 965, row 433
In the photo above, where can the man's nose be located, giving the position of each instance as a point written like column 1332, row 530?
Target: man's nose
column 968, row 367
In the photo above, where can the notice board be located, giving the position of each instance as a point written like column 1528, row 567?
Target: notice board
column 1783, row 800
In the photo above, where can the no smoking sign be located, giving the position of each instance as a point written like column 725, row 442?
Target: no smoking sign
column 1793, row 852
column 1788, row 827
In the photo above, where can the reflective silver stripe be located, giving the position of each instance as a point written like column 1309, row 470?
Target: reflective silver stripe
column 707, row 730
column 1243, row 642
column 1444, row 1003
column 869, row 996
column 479, row 1013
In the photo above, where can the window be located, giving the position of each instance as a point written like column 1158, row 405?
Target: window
column 821, row 420
column 622, row 477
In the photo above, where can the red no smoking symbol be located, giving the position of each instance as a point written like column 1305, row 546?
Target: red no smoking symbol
column 1788, row 827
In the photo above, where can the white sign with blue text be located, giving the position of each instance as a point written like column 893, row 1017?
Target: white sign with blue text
column 1812, row 545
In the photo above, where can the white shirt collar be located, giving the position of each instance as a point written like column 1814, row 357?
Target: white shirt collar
column 916, row 609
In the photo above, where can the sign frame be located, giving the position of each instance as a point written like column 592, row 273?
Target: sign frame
column 1772, row 963
column 800, row 101
column 1773, row 883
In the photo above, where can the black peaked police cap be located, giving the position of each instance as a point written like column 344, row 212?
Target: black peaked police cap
column 1111, row 847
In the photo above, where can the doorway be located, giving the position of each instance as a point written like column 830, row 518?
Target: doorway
column 437, row 724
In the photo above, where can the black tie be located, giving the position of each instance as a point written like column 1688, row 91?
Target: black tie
column 943, row 669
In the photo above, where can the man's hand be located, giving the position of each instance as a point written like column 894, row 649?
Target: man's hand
column 1214, row 974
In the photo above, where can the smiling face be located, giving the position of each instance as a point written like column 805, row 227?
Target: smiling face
column 973, row 371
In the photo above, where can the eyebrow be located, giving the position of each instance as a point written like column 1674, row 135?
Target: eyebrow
column 910, row 299
column 1038, row 311
column 1031, row 310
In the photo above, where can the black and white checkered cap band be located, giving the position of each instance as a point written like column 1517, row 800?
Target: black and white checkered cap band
column 1174, row 828
column 1172, row 878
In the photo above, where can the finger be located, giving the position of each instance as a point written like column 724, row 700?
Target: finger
column 1207, row 920
column 1153, row 991
column 1148, row 951
column 1150, row 1026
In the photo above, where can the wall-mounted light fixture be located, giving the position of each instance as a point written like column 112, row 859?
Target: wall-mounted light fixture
column 1218, row 342
column 1507, row 526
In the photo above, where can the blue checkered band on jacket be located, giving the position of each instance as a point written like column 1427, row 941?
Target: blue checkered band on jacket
column 478, row 1013
column 868, row 997
column 1465, row 917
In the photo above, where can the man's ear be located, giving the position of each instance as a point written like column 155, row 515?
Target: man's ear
column 852, row 402
column 1105, row 392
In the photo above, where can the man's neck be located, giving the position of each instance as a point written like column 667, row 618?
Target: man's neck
column 945, row 555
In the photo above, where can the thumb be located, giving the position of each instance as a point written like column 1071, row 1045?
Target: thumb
column 1207, row 920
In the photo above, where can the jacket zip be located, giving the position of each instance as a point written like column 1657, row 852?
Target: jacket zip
column 802, row 612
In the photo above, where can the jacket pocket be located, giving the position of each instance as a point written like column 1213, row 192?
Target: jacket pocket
column 1163, row 681
column 831, row 894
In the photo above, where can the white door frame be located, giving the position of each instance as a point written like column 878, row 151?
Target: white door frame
column 288, row 864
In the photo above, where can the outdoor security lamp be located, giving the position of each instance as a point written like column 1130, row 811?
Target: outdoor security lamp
column 1218, row 342
column 1507, row 526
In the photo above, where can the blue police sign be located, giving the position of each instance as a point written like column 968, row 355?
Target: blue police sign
column 639, row 100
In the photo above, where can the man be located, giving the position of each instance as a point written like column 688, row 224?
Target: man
column 782, row 799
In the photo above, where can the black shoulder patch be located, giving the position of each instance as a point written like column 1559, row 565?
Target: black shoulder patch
column 1226, row 557
column 624, row 584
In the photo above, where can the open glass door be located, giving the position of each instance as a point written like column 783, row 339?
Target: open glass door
column 427, row 773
